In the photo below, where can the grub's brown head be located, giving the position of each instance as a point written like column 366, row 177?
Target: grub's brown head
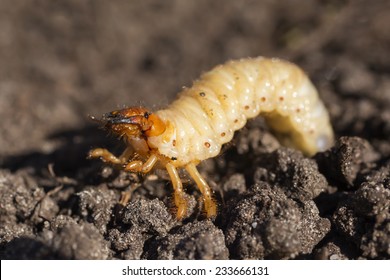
column 133, row 122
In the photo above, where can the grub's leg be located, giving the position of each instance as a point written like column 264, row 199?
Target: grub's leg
column 139, row 166
column 105, row 155
column 180, row 200
column 127, row 153
column 148, row 165
column 126, row 195
column 209, row 204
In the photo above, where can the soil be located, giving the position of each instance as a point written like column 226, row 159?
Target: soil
column 62, row 61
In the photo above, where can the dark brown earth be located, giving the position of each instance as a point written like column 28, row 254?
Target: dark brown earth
column 64, row 60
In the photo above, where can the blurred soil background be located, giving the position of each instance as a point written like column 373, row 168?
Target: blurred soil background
column 61, row 61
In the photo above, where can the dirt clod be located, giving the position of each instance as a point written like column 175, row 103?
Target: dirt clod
column 265, row 223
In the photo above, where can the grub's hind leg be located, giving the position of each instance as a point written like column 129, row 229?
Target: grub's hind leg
column 209, row 204
column 180, row 200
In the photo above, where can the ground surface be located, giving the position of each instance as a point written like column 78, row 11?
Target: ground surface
column 64, row 60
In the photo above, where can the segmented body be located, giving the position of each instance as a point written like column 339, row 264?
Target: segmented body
column 205, row 116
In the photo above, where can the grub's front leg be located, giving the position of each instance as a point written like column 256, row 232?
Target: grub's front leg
column 139, row 166
column 179, row 198
column 108, row 157
column 209, row 203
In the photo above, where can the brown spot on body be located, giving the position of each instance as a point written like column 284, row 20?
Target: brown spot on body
column 173, row 143
column 281, row 98
column 246, row 107
column 207, row 144
column 263, row 99
column 223, row 134
column 202, row 94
